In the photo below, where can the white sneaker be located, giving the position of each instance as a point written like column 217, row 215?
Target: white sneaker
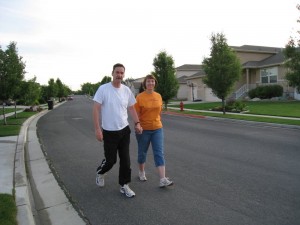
column 100, row 180
column 142, row 176
column 164, row 182
column 125, row 189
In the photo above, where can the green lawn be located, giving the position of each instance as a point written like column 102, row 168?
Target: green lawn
column 9, row 110
column 14, row 124
column 8, row 210
column 273, row 108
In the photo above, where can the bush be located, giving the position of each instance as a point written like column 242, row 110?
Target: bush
column 232, row 106
column 265, row 92
column 235, row 106
column 34, row 109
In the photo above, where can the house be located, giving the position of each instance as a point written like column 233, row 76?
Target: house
column 261, row 66
column 134, row 84
column 191, row 86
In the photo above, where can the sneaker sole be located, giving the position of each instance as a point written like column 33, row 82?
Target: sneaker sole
column 123, row 192
column 99, row 185
column 166, row 185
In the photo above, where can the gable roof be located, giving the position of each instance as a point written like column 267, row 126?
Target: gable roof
column 182, row 80
column 201, row 73
column 277, row 59
column 255, row 48
column 187, row 67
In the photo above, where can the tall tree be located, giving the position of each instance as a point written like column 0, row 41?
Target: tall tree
column 222, row 68
column 164, row 71
column 292, row 60
column 12, row 70
column 52, row 89
column 2, row 74
column 11, row 73
column 44, row 94
column 2, row 82
column 88, row 88
column 61, row 91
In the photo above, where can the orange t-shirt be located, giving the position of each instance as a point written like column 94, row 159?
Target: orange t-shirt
column 148, row 107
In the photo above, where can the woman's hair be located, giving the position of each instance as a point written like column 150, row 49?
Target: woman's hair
column 149, row 77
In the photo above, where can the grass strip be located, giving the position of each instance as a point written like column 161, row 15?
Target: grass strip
column 8, row 210
column 271, row 108
column 13, row 126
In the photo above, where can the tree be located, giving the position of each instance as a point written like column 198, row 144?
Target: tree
column 11, row 73
column 164, row 72
column 2, row 74
column 61, row 90
column 105, row 80
column 52, row 89
column 12, row 70
column 30, row 92
column 44, row 94
column 292, row 60
column 88, row 88
column 141, row 89
column 222, row 68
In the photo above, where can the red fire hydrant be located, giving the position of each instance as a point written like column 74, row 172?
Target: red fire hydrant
column 181, row 106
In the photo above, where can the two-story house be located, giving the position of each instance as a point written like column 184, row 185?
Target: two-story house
column 261, row 66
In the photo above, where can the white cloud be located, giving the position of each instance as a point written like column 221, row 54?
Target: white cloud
column 79, row 41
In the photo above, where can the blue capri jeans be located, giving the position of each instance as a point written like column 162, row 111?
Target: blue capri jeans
column 156, row 138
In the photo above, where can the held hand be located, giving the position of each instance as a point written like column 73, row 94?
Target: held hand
column 138, row 129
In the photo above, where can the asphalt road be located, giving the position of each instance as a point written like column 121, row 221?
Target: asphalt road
column 224, row 172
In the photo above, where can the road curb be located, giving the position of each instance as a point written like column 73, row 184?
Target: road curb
column 39, row 198
column 21, row 183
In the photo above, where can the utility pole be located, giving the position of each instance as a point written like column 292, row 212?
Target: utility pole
column 193, row 91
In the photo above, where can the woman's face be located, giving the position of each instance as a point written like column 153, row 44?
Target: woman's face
column 150, row 84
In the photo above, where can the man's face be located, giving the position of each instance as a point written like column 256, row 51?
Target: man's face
column 118, row 73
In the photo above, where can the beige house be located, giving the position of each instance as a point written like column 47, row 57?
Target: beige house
column 135, row 85
column 191, row 87
column 261, row 66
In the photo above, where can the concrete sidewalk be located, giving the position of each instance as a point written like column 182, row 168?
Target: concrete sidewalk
column 39, row 198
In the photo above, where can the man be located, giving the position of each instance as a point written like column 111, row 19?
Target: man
column 111, row 102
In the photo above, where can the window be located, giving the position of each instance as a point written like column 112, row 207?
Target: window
column 269, row 75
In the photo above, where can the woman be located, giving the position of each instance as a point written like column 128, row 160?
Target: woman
column 148, row 108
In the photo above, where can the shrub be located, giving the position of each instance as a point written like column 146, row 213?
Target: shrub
column 265, row 92
column 232, row 106
column 235, row 106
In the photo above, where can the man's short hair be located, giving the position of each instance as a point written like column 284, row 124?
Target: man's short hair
column 118, row 65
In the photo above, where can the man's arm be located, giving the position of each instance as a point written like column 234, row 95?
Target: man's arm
column 96, row 118
column 136, row 119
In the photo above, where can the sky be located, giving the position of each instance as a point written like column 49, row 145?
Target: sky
column 80, row 41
